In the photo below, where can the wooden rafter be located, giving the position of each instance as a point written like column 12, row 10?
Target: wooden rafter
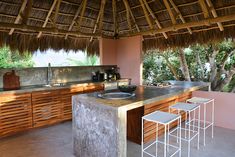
column 128, row 13
column 167, row 5
column 47, row 18
column 154, row 17
column 99, row 21
column 82, row 13
column 27, row 11
column 101, row 15
column 114, row 6
column 180, row 15
column 146, row 14
column 204, row 8
column 188, row 24
column 17, row 20
column 74, row 18
column 50, row 30
column 214, row 13
column 56, row 12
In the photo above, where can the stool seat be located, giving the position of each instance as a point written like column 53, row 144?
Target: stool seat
column 198, row 100
column 161, row 117
column 184, row 106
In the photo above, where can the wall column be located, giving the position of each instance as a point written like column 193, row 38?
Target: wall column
column 126, row 53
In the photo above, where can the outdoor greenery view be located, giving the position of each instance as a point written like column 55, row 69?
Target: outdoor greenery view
column 13, row 59
column 213, row 63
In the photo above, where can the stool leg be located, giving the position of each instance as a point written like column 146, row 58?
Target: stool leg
column 193, row 120
column 165, row 141
column 156, row 138
column 198, row 129
column 189, row 137
column 213, row 111
column 178, row 126
column 142, row 138
column 185, row 135
column 168, row 137
column 179, row 137
column 204, row 128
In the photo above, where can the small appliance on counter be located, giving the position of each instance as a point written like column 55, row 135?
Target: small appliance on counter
column 113, row 74
column 98, row 76
column 11, row 81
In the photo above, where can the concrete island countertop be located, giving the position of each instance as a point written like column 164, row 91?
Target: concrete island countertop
column 147, row 94
column 100, row 125
column 34, row 88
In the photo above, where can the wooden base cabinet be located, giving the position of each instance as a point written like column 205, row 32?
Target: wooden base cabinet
column 15, row 113
column 66, row 101
column 46, row 107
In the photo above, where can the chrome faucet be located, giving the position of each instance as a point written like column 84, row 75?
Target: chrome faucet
column 49, row 74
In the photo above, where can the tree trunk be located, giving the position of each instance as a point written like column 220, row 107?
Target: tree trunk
column 199, row 62
column 172, row 68
column 184, row 65
column 213, row 67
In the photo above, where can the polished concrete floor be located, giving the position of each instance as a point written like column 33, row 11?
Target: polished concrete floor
column 56, row 141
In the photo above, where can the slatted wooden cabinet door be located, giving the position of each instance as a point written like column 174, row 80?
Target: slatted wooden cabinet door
column 46, row 107
column 93, row 88
column 15, row 113
column 66, row 101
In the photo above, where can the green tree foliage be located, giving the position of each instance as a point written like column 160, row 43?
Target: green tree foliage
column 9, row 59
column 213, row 63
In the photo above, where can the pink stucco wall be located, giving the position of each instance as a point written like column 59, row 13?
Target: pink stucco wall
column 108, row 52
column 126, row 53
column 224, row 107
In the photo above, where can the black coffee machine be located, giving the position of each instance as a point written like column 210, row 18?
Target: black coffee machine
column 112, row 74
column 97, row 76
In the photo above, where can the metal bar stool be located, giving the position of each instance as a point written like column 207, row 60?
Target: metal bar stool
column 164, row 119
column 205, row 123
column 189, row 109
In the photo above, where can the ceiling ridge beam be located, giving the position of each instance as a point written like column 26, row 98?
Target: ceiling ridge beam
column 155, row 18
column 146, row 14
column 17, row 20
column 180, row 15
column 176, row 27
column 167, row 5
column 47, row 18
column 75, row 18
column 214, row 13
column 132, row 15
column 204, row 8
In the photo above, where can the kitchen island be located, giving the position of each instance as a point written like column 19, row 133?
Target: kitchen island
column 101, row 127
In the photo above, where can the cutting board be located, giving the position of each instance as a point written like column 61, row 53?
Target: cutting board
column 11, row 81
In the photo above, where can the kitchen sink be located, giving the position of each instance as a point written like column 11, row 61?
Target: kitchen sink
column 116, row 95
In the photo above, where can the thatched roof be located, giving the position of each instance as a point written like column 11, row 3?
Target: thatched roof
column 77, row 24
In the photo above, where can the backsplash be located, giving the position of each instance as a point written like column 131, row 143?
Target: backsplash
column 38, row 76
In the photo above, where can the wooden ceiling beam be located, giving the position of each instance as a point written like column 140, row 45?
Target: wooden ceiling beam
column 204, row 8
column 146, row 14
column 82, row 13
column 180, row 15
column 114, row 7
column 127, row 15
column 99, row 21
column 51, row 30
column 132, row 15
column 176, row 27
column 47, row 18
column 214, row 13
column 155, row 18
column 18, row 18
column 56, row 12
column 75, row 18
column 167, row 5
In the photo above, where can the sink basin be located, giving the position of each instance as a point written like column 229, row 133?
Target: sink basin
column 54, row 85
column 116, row 95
